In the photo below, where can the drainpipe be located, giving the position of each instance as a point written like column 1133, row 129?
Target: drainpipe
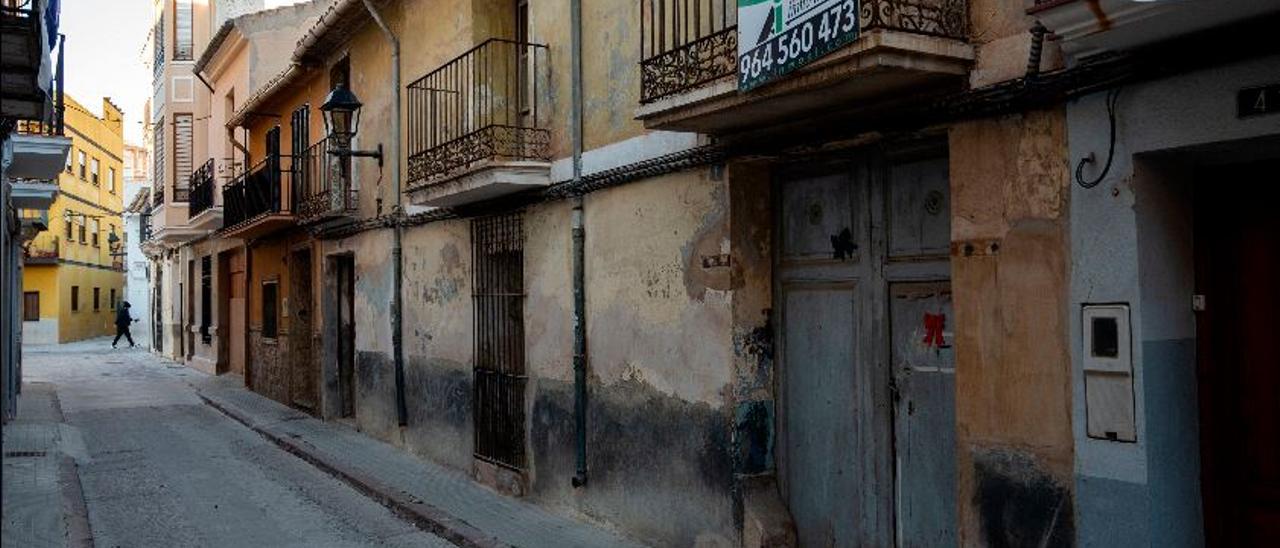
column 397, row 255
column 579, row 271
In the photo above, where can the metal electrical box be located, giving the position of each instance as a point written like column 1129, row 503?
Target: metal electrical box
column 1108, row 373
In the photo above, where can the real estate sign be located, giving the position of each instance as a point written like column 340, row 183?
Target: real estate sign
column 778, row 36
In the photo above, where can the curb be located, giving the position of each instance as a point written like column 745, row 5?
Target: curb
column 75, row 511
column 423, row 516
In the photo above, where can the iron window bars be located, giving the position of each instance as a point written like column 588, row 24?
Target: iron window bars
column 498, row 294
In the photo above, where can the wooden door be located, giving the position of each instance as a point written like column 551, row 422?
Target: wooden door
column 918, row 269
column 834, row 430
column 303, row 370
column 1237, row 246
column 345, row 273
column 238, row 309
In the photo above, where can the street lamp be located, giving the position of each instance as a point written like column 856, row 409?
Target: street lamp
column 341, row 110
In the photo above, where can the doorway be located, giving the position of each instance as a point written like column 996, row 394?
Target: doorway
column 344, row 269
column 303, row 372
column 1237, row 254
column 866, row 371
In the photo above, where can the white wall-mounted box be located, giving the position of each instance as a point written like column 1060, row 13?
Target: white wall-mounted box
column 1108, row 373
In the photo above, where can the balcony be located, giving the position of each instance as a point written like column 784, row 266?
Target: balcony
column 323, row 185
column 202, row 212
column 259, row 201
column 690, row 78
column 1086, row 28
column 40, row 253
column 475, row 128
column 24, row 93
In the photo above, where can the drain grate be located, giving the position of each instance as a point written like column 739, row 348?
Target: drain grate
column 24, row 454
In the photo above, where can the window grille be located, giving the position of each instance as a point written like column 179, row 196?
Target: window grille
column 498, row 293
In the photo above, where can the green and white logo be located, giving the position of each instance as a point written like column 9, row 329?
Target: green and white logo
column 778, row 36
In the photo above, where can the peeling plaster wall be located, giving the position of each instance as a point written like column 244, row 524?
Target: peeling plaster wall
column 1010, row 266
column 658, row 336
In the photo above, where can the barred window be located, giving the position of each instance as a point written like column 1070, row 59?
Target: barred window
column 498, row 292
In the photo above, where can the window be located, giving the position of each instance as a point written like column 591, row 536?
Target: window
column 498, row 313
column 182, row 42
column 66, row 217
column 206, row 298
column 269, row 308
column 75, row 298
column 31, row 306
column 93, row 171
column 97, row 304
column 112, row 302
column 157, row 161
column 83, row 238
column 111, row 180
column 182, row 156
column 68, row 162
column 80, row 157
column 93, row 232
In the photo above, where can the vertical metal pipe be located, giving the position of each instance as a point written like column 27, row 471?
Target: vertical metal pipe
column 579, row 275
column 61, row 106
column 397, row 255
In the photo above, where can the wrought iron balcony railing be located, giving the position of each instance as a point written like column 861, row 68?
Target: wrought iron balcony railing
column 202, row 187
column 257, row 192
column 480, row 106
column 322, row 183
column 42, row 253
column 685, row 44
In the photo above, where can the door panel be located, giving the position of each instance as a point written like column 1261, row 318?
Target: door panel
column 924, row 412
column 815, row 210
column 236, row 333
column 304, row 372
column 919, row 208
column 1237, row 264
column 821, row 462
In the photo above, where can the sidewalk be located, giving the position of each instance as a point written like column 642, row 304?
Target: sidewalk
column 437, row 499
column 43, row 504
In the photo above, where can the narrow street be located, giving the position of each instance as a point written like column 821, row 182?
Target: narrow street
column 160, row 468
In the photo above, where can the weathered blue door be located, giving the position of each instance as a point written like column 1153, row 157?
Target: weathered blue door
column 835, row 447
column 917, row 270
column 866, row 373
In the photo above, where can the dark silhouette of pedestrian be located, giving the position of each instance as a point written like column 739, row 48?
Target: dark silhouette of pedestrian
column 123, row 319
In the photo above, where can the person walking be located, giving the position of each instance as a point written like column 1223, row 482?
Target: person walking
column 123, row 319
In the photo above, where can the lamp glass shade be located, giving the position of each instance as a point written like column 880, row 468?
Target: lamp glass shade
column 341, row 111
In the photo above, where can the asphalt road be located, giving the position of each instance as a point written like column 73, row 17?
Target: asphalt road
column 159, row 468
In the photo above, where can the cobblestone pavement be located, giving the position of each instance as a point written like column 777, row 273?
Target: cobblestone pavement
column 157, row 467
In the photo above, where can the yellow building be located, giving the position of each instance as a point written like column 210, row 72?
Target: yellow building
column 71, row 280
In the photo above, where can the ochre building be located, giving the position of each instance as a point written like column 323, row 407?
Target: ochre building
column 73, row 277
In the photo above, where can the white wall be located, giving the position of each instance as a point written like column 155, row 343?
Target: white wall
column 137, row 286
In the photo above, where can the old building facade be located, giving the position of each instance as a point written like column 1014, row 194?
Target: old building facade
column 74, row 272
column 871, row 274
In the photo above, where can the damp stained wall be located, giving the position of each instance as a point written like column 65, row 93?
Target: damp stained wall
column 1010, row 267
